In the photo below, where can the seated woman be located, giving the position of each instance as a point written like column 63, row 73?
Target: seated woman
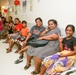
column 51, row 33
column 15, row 35
column 35, row 32
column 64, row 60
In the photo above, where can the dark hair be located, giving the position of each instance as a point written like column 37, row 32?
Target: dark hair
column 11, row 22
column 17, row 19
column 10, row 17
column 24, row 22
column 38, row 19
column 6, row 22
column 72, row 26
column 54, row 21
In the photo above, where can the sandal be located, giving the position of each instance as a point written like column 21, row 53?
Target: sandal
column 21, row 57
column 18, row 61
column 34, row 73
column 26, row 67
column 9, row 50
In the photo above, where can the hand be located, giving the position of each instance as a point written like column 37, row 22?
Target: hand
column 24, row 43
column 20, row 52
column 60, row 39
column 40, row 38
column 47, row 29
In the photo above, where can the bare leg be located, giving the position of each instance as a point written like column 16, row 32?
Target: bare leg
column 11, row 44
column 23, row 49
column 37, row 64
column 19, row 47
column 43, row 70
column 28, row 60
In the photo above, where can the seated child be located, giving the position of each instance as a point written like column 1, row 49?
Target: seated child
column 10, row 31
column 21, row 36
column 4, row 32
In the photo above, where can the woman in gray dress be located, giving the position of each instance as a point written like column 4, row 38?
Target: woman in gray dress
column 51, row 33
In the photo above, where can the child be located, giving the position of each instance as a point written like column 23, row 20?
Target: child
column 23, row 34
column 63, row 60
column 10, row 31
column 4, row 32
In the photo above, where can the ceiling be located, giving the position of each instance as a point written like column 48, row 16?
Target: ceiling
column 4, row 2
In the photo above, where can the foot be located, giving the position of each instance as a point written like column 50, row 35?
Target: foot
column 34, row 73
column 18, row 61
column 21, row 56
column 27, row 66
column 16, row 51
column 9, row 50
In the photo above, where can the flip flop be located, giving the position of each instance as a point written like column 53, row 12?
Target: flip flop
column 18, row 61
column 34, row 73
column 26, row 67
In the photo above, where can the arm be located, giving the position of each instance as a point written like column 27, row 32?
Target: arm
column 60, row 43
column 70, row 53
column 44, row 32
column 29, row 35
column 50, row 37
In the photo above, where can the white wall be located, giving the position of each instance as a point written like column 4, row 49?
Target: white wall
column 64, row 11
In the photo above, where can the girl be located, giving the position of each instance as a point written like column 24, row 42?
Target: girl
column 63, row 60
column 23, row 34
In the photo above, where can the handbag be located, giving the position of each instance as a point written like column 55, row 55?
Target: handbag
column 38, row 43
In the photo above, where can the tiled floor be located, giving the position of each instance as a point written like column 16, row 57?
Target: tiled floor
column 7, row 66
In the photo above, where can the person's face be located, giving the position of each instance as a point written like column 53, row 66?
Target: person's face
column 7, row 24
column 24, row 25
column 69, row 32
column 9, row 18
column 16, row 21
column 38, row 23
column 11, row 24
column 51, row 25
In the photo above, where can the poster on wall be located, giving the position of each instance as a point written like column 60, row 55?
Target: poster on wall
column 24, row 4
column 31, row 5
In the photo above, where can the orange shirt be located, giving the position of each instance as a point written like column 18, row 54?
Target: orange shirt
column 24, row 31
column 18, row 27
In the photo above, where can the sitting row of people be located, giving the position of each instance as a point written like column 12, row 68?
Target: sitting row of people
column 61, row 52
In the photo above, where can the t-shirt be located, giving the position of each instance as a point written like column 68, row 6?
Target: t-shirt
column 24, row 31
column 35, row 31
column 18, row 27
column 10, row 30
column 69, row 44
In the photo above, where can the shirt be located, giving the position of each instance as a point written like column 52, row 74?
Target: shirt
column 35, row 31
column 24, row 31
column 18, row 27
column 69, row 44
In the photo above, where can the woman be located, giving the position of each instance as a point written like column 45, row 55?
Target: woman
column 17, row 30
column 35, row 32
column 10, row 19
column 63, row 60
column 51, row 33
